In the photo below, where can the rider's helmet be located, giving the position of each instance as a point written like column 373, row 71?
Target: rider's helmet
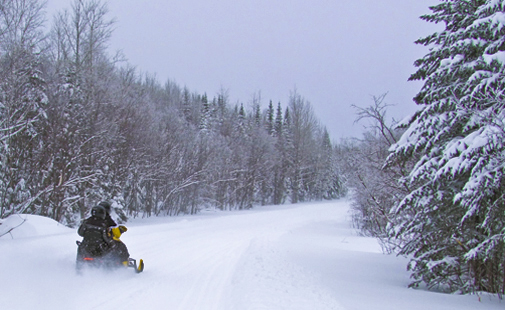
column 105, row 205
column 99, row 212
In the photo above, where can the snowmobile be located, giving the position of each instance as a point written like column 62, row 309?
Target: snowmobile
column 104, row 250
column 105, row 260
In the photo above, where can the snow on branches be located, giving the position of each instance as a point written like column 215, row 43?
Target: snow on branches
column 456, row 206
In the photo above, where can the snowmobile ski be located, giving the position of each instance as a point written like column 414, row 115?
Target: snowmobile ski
column 133, row 263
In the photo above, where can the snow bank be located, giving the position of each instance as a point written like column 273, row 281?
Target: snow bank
column 23, row 225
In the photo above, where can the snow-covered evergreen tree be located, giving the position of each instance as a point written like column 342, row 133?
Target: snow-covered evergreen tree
column 206, row 114
column 270, row 121
column 328, row 182
column 453, row 217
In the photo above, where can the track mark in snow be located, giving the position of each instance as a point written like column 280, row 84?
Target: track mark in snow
column 267, row 279
column 215, row 271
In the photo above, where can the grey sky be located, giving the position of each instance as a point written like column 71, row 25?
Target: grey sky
column 335, row 52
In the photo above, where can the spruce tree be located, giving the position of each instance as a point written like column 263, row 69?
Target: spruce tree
column 205, row 116
column 453, row 217
column 278, row 121
column 270, row 127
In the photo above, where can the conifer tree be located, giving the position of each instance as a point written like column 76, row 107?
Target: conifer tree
column 270, row 127
column 278, row 121
column 205, row 114
column 454, row 214
column 257, row 115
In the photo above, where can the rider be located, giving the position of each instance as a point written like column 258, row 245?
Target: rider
column 100, row 217
column 106, row 205
column 100, row 234
column 119, row 251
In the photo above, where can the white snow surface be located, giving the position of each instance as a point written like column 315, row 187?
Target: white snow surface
column 304, row 256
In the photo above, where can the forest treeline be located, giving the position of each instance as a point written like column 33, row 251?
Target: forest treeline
column 78, row 125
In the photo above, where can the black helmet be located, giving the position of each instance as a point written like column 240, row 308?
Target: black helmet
column 99, row 212
column 105, row 205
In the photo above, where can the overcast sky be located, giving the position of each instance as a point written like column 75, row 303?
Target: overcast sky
column 336, row 53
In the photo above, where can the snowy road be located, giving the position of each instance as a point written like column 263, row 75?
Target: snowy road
column 291, row 257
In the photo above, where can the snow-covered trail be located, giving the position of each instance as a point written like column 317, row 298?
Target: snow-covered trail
column 229, row 262
column 290, row 257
